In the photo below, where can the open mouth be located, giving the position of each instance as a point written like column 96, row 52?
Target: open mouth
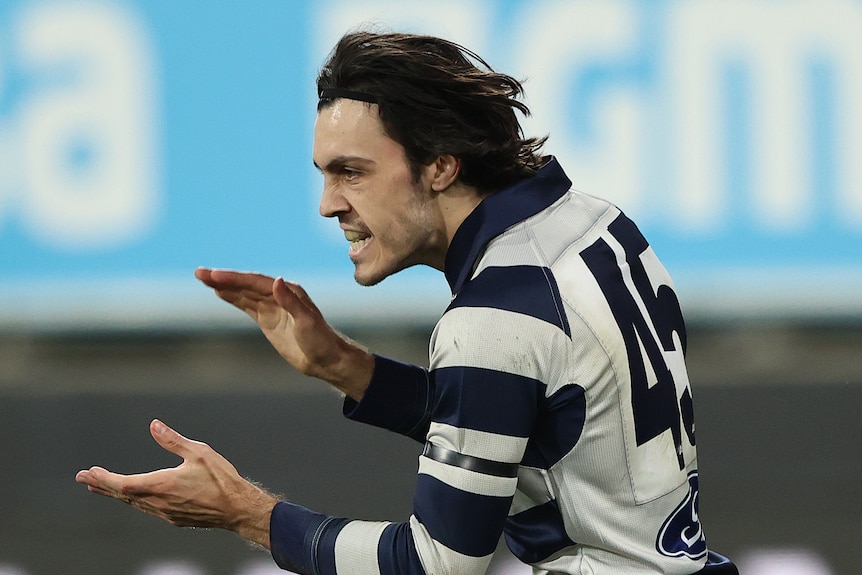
column 357, row 240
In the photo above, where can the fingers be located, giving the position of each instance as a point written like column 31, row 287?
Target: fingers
column 142, row 492
column 171, row 440
column 192, row 493
column 284, row 296
column 292, row 298
column 203, row 274
column 246, row 290
column 234, row 280
column 300, row 293
column 101, row 481
column 250, row 292
column 91, row 478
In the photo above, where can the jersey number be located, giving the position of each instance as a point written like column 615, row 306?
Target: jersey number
column 647, row 319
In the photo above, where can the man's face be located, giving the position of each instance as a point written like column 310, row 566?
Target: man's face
column 390, row 219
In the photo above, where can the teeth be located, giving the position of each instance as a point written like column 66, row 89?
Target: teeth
column 356, row 239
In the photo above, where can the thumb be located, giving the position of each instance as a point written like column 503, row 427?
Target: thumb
column 286, row 298
column 293, row 298
column 169, row 439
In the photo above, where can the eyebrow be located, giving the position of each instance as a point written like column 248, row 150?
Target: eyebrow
column 339, row 162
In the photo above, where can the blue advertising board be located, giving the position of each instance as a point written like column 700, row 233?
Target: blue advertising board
column 140, row 139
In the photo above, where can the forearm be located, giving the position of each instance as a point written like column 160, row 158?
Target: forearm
column 398, row 398
column 458, row 535
column 459, row 507
column 306, row 542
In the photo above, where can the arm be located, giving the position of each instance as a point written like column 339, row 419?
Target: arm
column 400, row 393
column 467, row 477
column 480, row 423
column 486, row 387
column 398, row 398
column 458, row 514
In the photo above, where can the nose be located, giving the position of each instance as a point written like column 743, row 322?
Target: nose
column 332, row 202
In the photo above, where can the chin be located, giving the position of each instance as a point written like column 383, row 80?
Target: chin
column 368, row 280
column 372, row 277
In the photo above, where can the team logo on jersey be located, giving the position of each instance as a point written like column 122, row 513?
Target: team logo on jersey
column 681, row 534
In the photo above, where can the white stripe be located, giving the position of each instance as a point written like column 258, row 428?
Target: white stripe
column 500, row 340
column 493, row 446
column 437, row 558
column 572, row 225
column 356, row 547
column 533, row 489
column 469, row 481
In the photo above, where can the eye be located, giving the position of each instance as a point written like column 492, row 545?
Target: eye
column 350, row 174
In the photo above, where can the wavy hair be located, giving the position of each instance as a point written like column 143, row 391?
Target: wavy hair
column 436, row 97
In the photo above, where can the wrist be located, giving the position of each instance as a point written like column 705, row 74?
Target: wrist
column 352, row 374
column 255, row 511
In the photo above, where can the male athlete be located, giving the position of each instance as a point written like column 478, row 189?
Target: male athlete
column 556, row 410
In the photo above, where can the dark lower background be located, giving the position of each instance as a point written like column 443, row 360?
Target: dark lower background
column 779, row 442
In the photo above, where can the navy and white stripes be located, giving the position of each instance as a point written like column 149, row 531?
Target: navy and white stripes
column 524, row 411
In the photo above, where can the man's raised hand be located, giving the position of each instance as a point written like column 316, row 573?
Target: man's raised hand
column 295, row 327
column 205, row 490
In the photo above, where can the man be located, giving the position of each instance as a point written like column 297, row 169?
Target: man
column 556, row 409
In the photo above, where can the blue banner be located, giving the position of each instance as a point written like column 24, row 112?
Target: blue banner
column 141, row 139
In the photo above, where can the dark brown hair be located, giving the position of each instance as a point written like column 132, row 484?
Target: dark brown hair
column 437, row 97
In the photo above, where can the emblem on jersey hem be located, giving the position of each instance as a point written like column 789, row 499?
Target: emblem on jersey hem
column 681, row 534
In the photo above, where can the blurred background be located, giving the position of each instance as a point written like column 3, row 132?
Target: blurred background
column 140, row 139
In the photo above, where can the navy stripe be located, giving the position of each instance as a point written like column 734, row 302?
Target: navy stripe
column 323, row 546
column 718, row 565
column 292, row 530
column 498, row 212
column 398, row 399
column 529, row 290
column 537, row 533
column 559, row 426
column 396, row 552
column 469, row 462
column 464, row 522
column 486, row 400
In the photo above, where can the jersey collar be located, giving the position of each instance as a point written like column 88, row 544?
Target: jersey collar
column 498, row 212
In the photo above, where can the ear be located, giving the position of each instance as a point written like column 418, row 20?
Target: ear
column 446, row 170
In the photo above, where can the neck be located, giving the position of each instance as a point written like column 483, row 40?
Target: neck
column 455, row 203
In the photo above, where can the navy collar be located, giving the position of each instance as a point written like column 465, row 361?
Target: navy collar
column 497, row 213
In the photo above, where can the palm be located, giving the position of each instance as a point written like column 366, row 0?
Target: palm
column 288, row 339
column 274, row 321
column 204, row 491
column 285, row 314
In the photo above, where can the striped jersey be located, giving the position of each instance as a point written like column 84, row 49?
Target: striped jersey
column 556, row 409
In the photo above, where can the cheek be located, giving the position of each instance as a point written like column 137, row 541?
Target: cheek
column 397, row 211
column 416, row 223
column 398, row 226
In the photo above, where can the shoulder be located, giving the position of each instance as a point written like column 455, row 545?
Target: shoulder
column 527, row 292
column 507, row 319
